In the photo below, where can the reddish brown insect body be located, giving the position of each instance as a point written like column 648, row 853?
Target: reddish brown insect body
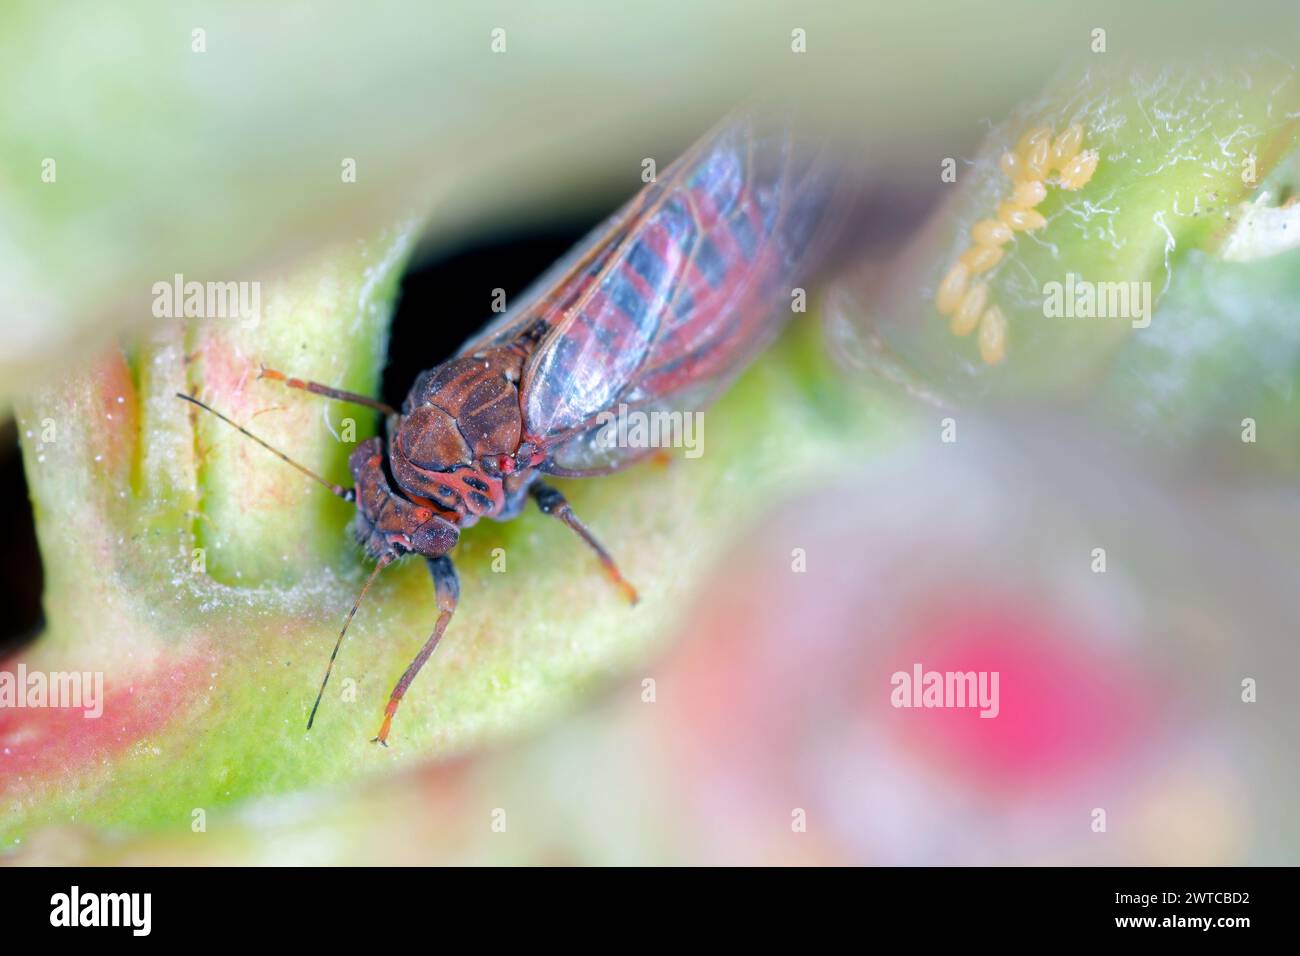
column 660, row 307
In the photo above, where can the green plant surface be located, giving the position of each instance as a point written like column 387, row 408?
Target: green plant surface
column 210, row 668
column 206, row 580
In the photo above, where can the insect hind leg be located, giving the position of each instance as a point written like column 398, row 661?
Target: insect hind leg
column 447, row 584
column 552, row 502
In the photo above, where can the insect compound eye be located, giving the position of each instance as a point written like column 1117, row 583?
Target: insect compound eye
column 497, row 465
column 435, row 537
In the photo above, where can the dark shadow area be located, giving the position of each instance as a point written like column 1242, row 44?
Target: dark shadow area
column 21, row 577
column 447, row 298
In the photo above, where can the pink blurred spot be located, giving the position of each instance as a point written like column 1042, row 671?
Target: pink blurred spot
column 40, row 741
column 1063, row 706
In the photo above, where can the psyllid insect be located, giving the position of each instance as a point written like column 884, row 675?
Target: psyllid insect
column 1036, row 155
column 659, row 308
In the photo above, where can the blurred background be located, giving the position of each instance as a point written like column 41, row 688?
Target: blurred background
column 872, row 496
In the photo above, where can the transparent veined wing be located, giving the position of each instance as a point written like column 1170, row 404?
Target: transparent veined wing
column 664, row 302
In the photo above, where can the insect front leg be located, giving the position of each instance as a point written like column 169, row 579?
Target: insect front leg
column 553, row 503
column 326, row 391
column 447, row 584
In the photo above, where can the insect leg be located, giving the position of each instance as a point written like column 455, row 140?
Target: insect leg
column 318, row 389
column 552, row 502
column 447, row 585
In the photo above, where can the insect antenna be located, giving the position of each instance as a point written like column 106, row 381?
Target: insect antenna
column 384, row 562
column 347, row 494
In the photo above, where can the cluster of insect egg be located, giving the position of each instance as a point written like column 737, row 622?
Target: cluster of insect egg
column 960, row 295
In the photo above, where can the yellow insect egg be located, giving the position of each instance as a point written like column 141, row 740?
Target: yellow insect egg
column 980, row 258
column 1066, row 146
column 1030, row 139
column 993, row 336
column 1029, row 192
column 952, row 289
column 1020, row 219
column 1036, row 154
column 1036, row 158
column 990, row 232
column 1076, row 173
column 1013, row 166
column 968, row 313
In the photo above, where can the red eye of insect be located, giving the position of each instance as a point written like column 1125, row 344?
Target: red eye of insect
column 505, row 464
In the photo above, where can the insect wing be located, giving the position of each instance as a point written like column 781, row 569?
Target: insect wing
column 606, row 446
column 697, row 283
